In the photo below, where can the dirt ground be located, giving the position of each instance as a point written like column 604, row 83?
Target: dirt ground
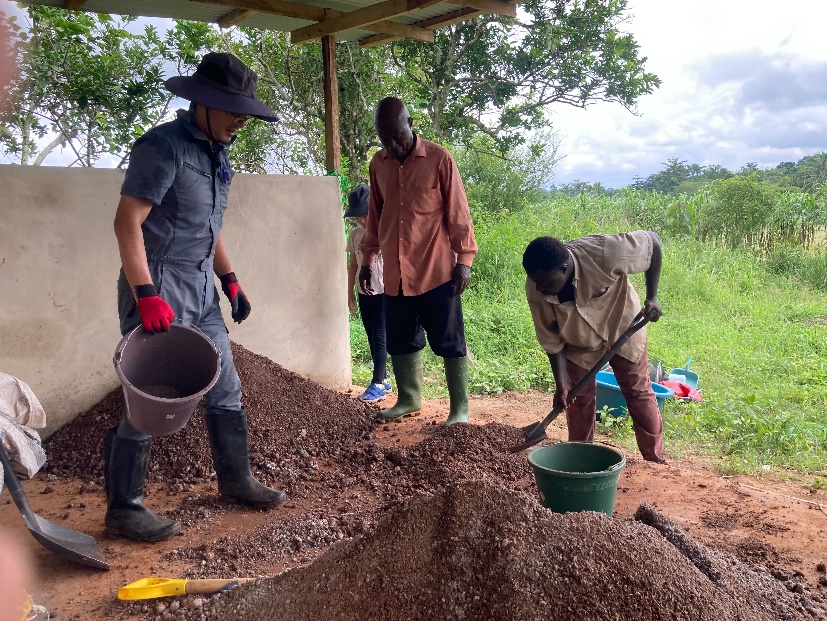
column 763, row 522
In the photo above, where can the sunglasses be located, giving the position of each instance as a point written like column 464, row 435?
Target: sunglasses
column 240, row 117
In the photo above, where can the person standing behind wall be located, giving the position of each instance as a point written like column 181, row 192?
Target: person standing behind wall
column 419, row 219
column 371, row 306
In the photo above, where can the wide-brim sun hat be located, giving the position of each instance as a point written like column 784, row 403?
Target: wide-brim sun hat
column 222, row 82
column 357, row 202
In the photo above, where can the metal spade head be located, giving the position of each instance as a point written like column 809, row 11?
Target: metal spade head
column 534, row 434
column 65, row 542
column 69, row 544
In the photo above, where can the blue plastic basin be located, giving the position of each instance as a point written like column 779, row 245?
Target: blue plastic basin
column 608, row 394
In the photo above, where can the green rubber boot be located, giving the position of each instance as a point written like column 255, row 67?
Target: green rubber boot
column 408, row 371
column 456, row 373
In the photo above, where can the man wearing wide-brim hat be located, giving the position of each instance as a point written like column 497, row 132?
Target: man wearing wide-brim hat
column 168, row 226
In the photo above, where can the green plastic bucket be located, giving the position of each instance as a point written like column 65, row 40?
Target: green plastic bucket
column 577, row 476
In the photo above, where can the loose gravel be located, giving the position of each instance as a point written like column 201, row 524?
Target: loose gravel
column 480, row 551
column 448, row 528
column 293, row 423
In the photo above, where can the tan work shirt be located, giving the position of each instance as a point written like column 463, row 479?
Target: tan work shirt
column 419, row 218
column 605, row 303
column 377, row 282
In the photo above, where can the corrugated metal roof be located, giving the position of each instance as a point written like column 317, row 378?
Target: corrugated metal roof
column 199, row 11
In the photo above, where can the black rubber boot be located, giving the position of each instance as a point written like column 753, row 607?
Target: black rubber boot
column 231, row 459
column 456, row 374
column 126, row 463
column 407, row 369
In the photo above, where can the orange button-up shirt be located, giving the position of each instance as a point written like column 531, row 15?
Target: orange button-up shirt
column 419, row 218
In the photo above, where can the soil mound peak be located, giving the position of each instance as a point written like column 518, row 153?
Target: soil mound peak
column 477, row 550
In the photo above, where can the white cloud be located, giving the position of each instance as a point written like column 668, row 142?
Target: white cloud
column 742, row 82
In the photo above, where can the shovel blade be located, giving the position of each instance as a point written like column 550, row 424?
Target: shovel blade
column 67, row 543
column 535, row 438
column 530, row 430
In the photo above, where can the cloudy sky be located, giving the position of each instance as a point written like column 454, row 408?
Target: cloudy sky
column 743, row 81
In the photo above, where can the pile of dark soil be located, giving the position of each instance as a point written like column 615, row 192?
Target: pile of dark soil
column 479, row 551
column 293, row 423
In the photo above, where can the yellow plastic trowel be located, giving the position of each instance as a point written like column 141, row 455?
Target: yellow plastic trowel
column 150, row 588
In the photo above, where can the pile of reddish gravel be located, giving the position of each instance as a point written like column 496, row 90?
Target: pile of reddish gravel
column 479, row 551
column 372, row 478
column 453, row 454
column 449, row 528
column 293, row 422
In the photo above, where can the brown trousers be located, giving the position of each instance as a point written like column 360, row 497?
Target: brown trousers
column 636, row 387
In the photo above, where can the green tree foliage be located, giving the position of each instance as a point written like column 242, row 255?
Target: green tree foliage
column 95, row 83
column 745, row 212
column 812, row 173
column 739, row 209
column 577, row 187
column 497, row 76
column 506, row 181
column 291, row 83
column 677, row 177
column 92, row 83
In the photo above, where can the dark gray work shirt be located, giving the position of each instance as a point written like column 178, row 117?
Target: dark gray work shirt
column 188, row 182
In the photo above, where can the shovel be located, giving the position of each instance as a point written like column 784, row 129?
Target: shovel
column 150, row 588
column 536, row 433
column 62, row 541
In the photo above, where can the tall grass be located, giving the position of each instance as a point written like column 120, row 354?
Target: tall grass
column 757, row 336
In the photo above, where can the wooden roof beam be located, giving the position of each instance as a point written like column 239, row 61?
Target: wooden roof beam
column 277, row 7
column 316, row 14
column 360, row 18
column 234, row 17
column 432, row 24
column 496, row 7
column 74, row 5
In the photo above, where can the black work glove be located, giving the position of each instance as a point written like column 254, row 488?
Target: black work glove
column 364, row 279
column 462, row 276
column 238, row 299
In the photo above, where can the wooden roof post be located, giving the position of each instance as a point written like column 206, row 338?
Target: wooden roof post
column 333, row 154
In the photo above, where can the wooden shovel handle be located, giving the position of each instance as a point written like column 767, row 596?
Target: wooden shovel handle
column 202, row 587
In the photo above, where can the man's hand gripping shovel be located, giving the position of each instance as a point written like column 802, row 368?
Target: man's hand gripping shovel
column 536, row 433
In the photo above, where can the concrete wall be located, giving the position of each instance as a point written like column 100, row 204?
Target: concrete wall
column 59, row 266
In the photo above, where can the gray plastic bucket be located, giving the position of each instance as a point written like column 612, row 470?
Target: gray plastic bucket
column 164, row 375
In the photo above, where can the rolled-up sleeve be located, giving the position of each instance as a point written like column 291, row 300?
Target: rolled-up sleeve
column 153, row 165
column 626, row 253
column 543, row 316
column 458, row 214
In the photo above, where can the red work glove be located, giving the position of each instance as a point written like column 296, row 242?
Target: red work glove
column 238, row 299
column 156, row 314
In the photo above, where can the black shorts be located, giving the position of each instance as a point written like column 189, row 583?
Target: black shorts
column 437, row 313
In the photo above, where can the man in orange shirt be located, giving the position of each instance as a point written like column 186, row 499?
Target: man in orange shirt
column 419, row 218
